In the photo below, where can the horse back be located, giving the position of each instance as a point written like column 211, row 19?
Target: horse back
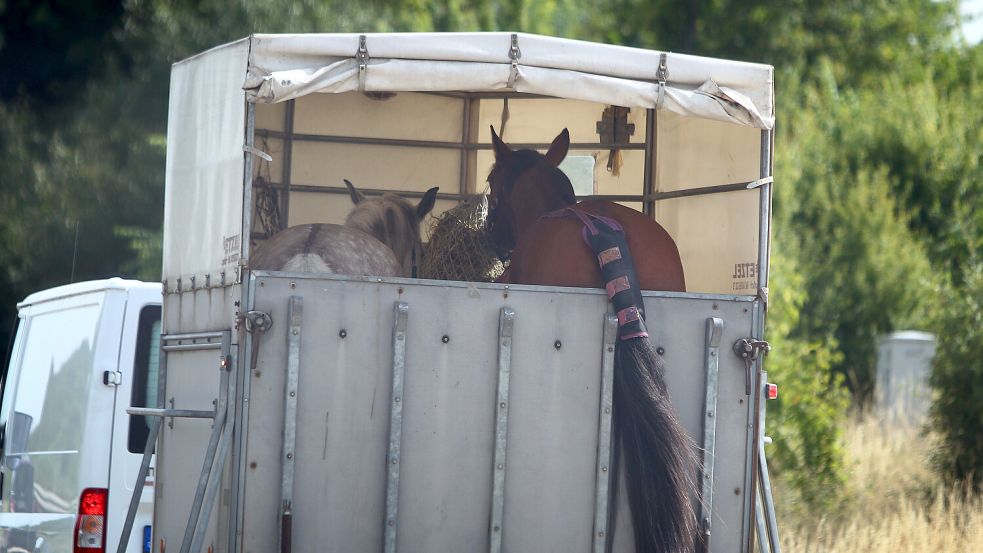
column 553, row 251
column 325, row 248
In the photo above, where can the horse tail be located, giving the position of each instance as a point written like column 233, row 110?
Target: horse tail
column 659, row 456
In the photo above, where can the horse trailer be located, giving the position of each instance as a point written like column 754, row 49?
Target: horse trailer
column 320, row 412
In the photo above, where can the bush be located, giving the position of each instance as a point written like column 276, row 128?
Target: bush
column 957, row 377
column 806, row 421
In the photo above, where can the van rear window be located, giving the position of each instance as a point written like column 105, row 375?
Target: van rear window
column 145, row 367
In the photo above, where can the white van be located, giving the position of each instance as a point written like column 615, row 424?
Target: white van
column 83, row 354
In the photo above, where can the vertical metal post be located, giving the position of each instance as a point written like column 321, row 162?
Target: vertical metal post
column 395, row 425
column 247, row 189
column 295, row 315
column 764, row 211
column 603, row 478
column 711, row 362
column 288, row 151
column 465, row 139
column 244, row 368
column 506, row 323
column 648, row 186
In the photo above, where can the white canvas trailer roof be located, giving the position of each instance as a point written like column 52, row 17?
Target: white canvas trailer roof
column 700, row 122
column 283, row 67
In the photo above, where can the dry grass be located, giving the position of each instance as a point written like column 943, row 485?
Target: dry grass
column 893, row 502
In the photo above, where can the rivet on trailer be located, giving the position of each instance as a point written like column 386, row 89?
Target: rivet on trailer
column 396, row 438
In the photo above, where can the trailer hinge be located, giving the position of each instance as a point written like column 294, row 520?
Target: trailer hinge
column 750, row 350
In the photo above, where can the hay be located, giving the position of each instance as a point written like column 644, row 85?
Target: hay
column 460, row 247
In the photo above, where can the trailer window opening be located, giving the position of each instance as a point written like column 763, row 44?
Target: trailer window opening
column 146, row 363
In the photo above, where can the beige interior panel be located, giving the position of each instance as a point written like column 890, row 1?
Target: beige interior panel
column 539, row 120
column 406, row 116
column 375, row 167
column 683, row 147
column 271, row 117
column 318, row 207
column 717, row 237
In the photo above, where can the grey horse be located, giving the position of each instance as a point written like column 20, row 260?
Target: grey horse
column 380, row 237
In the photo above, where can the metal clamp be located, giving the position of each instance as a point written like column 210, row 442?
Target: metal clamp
column 257, row 321
column 750, row 350
column 362, row 57
column 662, row 75
column 514, row 54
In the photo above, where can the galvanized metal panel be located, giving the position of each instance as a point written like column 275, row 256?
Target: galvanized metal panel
column 449, row 413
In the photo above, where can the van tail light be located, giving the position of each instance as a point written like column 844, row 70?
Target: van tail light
column 90, row 525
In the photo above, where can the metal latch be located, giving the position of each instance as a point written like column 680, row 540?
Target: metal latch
column 750, row 350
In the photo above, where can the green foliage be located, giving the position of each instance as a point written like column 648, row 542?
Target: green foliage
column 957, row 413
column 877, row 171
column 807, row 419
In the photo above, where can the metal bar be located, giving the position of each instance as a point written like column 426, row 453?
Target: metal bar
column 179, row 413
column 367, row 191
column 215, row 335
column 218, row 464
column 192, row 347
column 131, row 512
column 750, row 449
column 247, row 189
column 602, row 491
column 759, row 524
column 764, row 481
column 295, row 316
column 497, row 288
column 395, row 424
column 506, row 323
column 465, row 132
column 711, row 363
column 288, row 154
column 244, row 366
column 764, row 212
column 207, row 466
column 649, row 198
column 440, row 144
column 648, row 185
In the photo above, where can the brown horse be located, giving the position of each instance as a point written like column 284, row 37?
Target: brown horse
column 380, row 237
column 534, row 218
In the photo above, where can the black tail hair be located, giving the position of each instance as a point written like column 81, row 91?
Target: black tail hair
column 659, row 457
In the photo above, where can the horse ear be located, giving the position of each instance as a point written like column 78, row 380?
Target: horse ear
column 427, row 203
column 355, row 194
column 559, row 148
column 502, row 151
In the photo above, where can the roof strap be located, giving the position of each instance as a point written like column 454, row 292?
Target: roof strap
column 514, row 55
column 662, row 75
column 362, row 57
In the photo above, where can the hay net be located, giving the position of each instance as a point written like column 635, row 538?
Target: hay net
column 460, row 247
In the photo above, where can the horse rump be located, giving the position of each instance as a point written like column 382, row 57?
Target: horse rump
column 659, row 456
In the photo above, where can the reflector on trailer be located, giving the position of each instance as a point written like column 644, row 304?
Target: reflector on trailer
column 772, row 390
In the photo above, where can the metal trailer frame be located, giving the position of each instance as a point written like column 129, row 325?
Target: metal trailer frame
column 239, row 349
